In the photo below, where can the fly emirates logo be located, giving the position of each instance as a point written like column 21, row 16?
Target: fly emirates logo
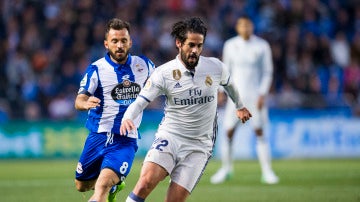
column 194, row 98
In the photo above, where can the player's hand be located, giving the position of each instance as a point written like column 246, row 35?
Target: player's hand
column 126, row 126
column 92, row 102
column 243, row 114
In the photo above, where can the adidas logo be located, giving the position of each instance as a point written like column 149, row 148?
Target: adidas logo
column 177, row 85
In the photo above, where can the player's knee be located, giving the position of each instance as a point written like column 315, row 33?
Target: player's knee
column 146, row 185
column 259, row 132
column 82, row 187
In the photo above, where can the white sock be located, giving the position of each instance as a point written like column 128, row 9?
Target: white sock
column 134, row 198
column 128, row 199
column 226, row 154
column 263, row 154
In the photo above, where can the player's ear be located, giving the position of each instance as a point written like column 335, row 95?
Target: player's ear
column 106, row 44
column 178, row 43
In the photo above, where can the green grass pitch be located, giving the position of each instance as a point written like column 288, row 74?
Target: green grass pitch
column 301, row 180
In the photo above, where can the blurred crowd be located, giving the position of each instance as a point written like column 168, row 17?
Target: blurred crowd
column 45, row 47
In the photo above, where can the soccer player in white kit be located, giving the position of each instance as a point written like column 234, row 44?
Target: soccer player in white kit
column 249, row 60
column 185, row 138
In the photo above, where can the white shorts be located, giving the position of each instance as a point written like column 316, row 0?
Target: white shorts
column 185, row 160
column 258, row 120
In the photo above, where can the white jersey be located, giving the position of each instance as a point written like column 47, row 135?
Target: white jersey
column 250, row 65
column 191, row 99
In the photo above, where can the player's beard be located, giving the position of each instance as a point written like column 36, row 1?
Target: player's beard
column 120, row 58
column 186, row 59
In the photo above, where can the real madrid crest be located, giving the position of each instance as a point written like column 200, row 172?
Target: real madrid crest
column 208, row 81
column 176, row 74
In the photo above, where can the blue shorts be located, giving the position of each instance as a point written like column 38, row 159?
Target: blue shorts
column 106, row 150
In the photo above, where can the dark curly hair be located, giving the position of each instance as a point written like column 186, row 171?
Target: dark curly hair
column 116, row 24
column 193, row 24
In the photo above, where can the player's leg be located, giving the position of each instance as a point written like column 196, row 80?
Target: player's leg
column 226, row 170
column 158, row 163
column 188, row 171
column 176, row 193
column 104, row 183
column 89, row 163
column 150, row 176
column 229, row 125
column 262, row 148
column 83, row 186
column 119, row 154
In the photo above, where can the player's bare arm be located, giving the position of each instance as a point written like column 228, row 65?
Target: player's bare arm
column 84, row 102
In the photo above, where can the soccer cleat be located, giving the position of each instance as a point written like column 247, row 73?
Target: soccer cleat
column 269, row 178
column 221, row 175
column 114, row 190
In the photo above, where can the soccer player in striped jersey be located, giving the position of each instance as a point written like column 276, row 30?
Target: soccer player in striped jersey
column 249, row 60
column 108, row 87
column 185, row 138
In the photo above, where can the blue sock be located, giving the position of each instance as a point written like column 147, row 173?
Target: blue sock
column 136, row 198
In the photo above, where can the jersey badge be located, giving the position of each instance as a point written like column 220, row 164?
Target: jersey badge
column 147, row 84
column 139, row 68
column 208, row 81
column 79, row 168
column 83, row 81
column 177, row 74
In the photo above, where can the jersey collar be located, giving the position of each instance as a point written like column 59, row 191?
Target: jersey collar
column 116, row 65
column 182, row 66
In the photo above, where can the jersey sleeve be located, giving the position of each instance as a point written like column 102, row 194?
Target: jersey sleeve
column 150, row 65
column 151, row 90
column 89, row 81
column 267, row 70
column 154, row 86
column 230, row 88
column 225, row 75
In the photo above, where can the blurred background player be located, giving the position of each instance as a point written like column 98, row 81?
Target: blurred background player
column 108, row 87
column 249, row 60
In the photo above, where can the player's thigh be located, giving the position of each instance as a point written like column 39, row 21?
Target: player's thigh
column 230, row 119
column 152, row 173
column 259, row 117
column 119, row 158
column 89, row 164
column 163, row 152
column 188, row 171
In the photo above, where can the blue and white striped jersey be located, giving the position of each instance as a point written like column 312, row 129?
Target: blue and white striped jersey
column 117, row 86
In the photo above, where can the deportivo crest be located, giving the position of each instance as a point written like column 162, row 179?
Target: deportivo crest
column 79, row 168
column 208, row 81
column 176, row 74
column 139, row 68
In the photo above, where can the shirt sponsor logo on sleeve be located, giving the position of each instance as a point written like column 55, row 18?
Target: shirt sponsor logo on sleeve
column 83, row 81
